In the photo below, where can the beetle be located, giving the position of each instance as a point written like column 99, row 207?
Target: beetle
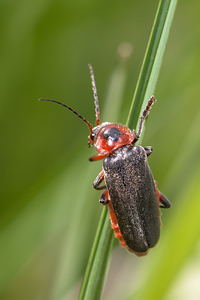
column 131, row 193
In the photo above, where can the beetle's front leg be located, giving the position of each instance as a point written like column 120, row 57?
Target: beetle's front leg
column 97, row 157
column 105, row 200
column 98, row 181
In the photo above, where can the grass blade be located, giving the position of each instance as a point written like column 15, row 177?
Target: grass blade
column 99, row 258
column 98, row 262
column 152, row 61
column 96, row 268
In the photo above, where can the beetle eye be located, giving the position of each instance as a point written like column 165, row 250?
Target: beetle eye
column 92, row 136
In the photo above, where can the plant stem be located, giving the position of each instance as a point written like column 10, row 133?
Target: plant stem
column 99, row 258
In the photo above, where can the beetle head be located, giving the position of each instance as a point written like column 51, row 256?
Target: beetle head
column 108, row 137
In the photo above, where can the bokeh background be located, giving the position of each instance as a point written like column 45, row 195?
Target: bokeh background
column 49, row 211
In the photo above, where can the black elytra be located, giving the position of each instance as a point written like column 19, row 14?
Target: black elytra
column 132, row 192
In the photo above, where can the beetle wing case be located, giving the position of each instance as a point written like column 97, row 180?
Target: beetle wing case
column 132, row 192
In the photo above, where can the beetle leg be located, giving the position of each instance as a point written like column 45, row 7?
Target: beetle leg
column 148, row 150
column 114, row 224
column 143, row 117
column 98, row 181
column 163, row 202
column 97, row 157
column 104, row 199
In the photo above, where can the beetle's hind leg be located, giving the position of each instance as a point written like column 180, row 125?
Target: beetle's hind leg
column 163, row 202
column 105, row 200
column 114, row 224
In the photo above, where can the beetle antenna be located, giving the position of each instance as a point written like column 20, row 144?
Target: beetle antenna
column 82, row 118
column 96, row 101
column 145, row 114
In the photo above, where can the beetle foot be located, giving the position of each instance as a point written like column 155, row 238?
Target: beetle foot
column 104, row 199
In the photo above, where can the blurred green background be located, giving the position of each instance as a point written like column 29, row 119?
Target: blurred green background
column 49, row 211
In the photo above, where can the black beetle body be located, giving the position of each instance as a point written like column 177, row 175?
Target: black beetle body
column 132, row 192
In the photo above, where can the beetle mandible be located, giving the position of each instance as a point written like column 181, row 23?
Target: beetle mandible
column 131, row 193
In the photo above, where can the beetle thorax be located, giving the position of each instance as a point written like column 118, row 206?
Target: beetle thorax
column 108, row 137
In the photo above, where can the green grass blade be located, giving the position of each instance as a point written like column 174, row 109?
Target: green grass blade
column 96, row 268
column 99, row 258
column 152, row 61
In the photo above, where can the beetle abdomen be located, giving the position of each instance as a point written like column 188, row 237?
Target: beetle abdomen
column 132, row 192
